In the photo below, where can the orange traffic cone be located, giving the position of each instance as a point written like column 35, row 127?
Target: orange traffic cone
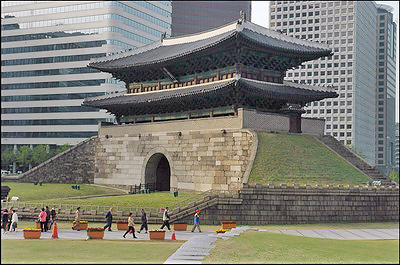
column 55, row 231
column 173, row 235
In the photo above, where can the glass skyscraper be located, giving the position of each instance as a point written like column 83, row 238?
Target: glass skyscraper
column 354, row 31
column 190, row 17
column 46, row 46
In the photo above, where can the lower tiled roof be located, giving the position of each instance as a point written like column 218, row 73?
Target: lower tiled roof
column 241, row 91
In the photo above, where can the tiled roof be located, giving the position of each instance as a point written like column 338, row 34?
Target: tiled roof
column 225, row 91
column 169, row 49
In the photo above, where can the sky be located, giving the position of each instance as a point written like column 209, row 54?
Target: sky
column 259, row 15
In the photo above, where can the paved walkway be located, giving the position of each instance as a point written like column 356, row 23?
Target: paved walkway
column 198, row 245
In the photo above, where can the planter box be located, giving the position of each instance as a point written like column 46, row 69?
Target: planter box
column 180, row 227
column 95, row 234
column 157, row 235
column 32, row 234
column 228, row 224
column 122, row 226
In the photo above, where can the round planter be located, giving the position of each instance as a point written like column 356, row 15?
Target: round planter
column 95, row 234
column 228, row 224
column 122, row 226
column 157, row 235
column 180, row 227
column 32, row 234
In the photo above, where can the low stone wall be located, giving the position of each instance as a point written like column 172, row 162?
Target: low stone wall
column 301, row 205
column 312, row 126
column 75, row 165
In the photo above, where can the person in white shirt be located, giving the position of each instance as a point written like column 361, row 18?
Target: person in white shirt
column 165, row 219
column 14, row 220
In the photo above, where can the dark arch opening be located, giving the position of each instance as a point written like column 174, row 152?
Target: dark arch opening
column 158, row 172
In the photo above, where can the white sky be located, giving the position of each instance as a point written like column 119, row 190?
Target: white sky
column 259, row 15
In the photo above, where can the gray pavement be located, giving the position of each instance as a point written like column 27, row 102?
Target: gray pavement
column 198, row 245
column 348, row 234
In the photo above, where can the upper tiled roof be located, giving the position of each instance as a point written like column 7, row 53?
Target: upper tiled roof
column 169, row 49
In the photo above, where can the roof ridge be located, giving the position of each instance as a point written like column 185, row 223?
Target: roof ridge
column 124, row 54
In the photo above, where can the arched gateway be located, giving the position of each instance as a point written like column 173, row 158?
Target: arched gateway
column 158, row 171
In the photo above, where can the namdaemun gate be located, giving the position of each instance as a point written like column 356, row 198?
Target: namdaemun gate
column 193, row 105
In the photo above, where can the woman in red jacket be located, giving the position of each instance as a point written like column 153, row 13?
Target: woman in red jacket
column 42, row 220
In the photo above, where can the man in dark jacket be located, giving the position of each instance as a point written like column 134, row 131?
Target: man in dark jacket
column 144, row 222
column 108, row 220
column 47, row 224
column 53, row 215
column 4, row 220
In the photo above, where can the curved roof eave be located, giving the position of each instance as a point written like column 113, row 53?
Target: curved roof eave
column 269, row 38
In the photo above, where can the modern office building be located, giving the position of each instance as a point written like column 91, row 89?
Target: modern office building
column 352, row 29
column 397, row 148
column 45, row 48
column 190, row 17
column 386, row 89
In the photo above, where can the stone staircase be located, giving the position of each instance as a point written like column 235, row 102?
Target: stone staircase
column 355, row 160
column 202, row 201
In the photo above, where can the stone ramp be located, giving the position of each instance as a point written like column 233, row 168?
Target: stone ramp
column 355, row 160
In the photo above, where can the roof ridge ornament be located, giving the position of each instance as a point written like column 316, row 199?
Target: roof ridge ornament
column 242, row 17
column 163, row 36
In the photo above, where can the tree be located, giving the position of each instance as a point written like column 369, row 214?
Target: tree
column 8, row 157
column 24, row 157
column 62, row 148
column 40, row 154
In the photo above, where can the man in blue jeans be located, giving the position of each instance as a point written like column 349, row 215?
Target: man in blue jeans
column 196, row 220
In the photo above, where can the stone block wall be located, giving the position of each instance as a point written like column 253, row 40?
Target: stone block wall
column 75, row 165
column 300, row 205
column 199, row 160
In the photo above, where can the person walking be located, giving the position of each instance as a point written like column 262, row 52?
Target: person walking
column 77, row 220
column 196, row 221
column 144, row 222
column 108, row 220
column 165, row 219
column 4, row 220
column 14, row 221
column 131, row 226
column 47, row 218
column 53, row 215
column 42, row 220
column 9, row 218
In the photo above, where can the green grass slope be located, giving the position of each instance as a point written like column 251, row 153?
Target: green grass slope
column 300, row 159
column 30, row 192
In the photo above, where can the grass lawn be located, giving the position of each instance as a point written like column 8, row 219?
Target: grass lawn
column 257, row 247
column 82, row 251
column 284, row 158
column 30, row 192
column 150, row 200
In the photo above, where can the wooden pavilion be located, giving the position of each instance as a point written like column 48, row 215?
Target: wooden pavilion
column 212, row 73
